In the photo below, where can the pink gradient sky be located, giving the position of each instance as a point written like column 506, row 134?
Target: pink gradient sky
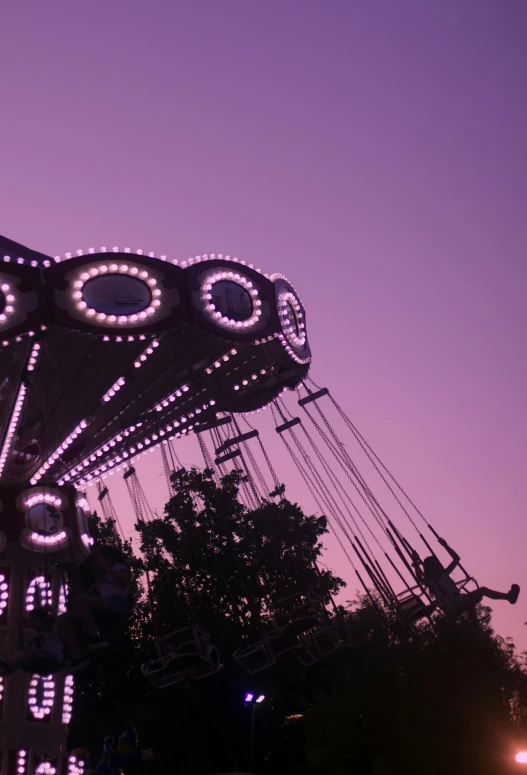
column 373, row 152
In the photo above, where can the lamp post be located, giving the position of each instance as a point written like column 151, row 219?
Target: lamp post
column 253, row 700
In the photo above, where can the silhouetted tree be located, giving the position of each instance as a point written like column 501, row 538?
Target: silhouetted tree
column 215, row 562
column 449, row 699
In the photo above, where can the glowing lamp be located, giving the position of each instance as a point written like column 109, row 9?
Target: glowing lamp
column 521, row 757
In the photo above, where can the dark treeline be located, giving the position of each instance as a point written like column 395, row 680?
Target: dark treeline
column 448, row 700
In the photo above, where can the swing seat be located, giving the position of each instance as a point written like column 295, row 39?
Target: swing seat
column 465, row 604
column 254, row 658
column 214, row 666
column 189, row 650
column 321, row 643
column 186, row 640
column 463, row 584
column 161, row 672
column 412, row 607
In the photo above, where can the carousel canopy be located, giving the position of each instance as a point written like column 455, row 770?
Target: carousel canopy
column 106, row 353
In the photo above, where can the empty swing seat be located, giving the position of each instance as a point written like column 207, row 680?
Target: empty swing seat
column 254, row 658
column 320, row 644
column 192, row 651
column 207, row 667
column 162, row 672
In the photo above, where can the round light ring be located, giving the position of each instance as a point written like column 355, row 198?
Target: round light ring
column 120, row 294
column 292, row 319
column 231, row 300
column 43, row 514
column 117, row 294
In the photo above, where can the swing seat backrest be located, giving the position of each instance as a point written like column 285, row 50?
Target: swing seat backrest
column 411, row 605
column 463, row 583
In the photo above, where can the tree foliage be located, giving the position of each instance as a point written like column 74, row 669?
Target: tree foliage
column 450, row 699
column 213, row 561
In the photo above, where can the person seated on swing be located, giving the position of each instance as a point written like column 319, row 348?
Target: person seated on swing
column 44, row 650
column 113, row 592
column 444, row 589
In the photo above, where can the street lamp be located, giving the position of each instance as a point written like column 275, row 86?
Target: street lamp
column 251, row 700
column 521, row 757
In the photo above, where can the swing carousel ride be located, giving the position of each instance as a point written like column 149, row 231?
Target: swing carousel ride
column 109, row 354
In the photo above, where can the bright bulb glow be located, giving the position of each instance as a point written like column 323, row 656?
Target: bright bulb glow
column 261, row 698
column 521, row 757
column 58, row 452
column 249, row 697
column 45, row 687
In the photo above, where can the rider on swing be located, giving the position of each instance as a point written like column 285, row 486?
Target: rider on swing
column 444, row 590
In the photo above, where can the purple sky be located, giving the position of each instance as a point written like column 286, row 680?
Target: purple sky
column 373, row 152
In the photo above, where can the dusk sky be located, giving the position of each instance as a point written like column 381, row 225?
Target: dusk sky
column 373, row 151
